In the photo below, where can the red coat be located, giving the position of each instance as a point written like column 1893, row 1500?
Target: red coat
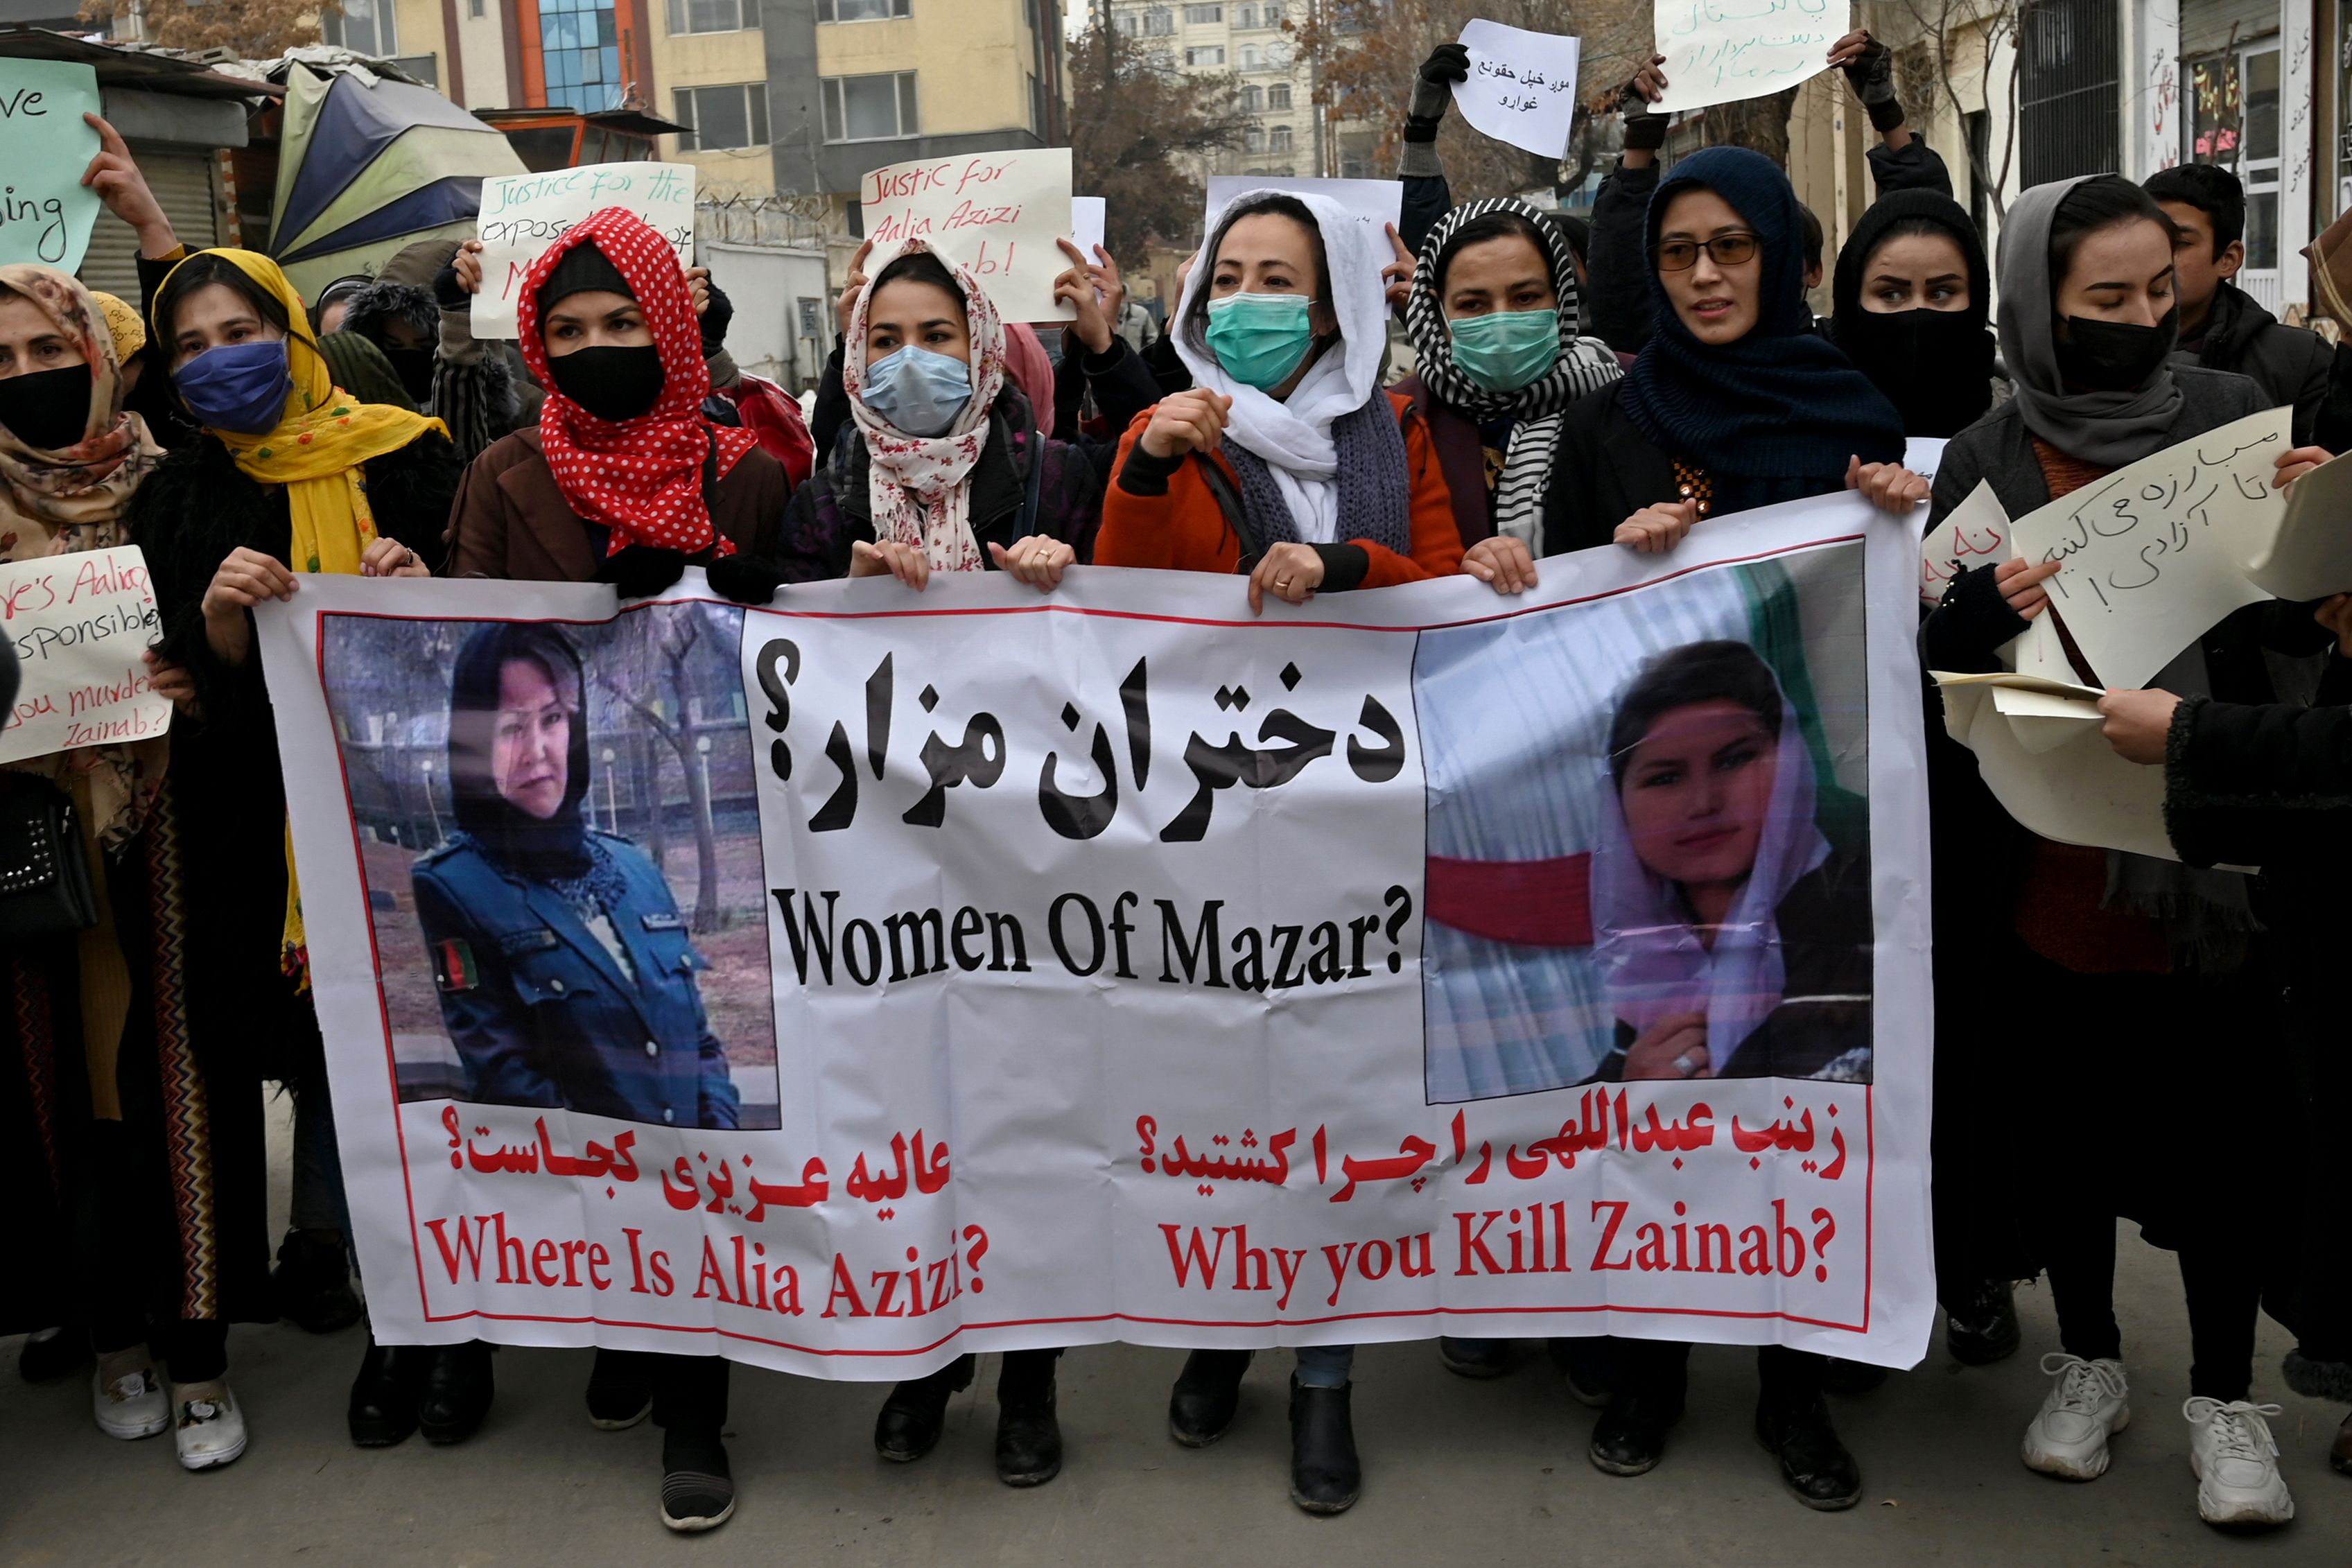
column 1185, row 531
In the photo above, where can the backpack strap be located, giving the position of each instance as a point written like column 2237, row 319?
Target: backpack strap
column 1034, row 499
column 1228, row 498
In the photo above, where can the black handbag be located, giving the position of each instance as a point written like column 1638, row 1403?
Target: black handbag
column 46, row 889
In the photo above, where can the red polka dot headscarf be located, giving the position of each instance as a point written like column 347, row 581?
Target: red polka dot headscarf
column 641, row 477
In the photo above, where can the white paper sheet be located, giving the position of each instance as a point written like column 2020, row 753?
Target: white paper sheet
column 2310, row 556
column 1923, row 455
column 2152, row 550
column 1086, row 216
column 2070, row 788
column 1721, row 51
column 1973, row 533
column 1521, row 88
column 1376, row 201
column 998, row 213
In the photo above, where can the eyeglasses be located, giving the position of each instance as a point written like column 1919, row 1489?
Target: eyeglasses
column 1728, row 250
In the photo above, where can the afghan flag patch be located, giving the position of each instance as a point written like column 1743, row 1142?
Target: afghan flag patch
column 453, row 965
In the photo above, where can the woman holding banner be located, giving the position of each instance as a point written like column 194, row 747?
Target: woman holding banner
column 2100, row 945
column 1287, row 462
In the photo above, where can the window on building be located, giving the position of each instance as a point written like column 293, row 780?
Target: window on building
column 2067, row 84
column 870, row 107
column 1278, row 96
column 721, row 117
column 580, row 47
column 1270, row 13
column 1244, row 16
column 1254, row 139
column 812, row 314
column 1130, row 26
column 473, row 7
column 2233, row 122
column 1209, row 55
column 1197, row 15
column 362, row 26
column 712, row 15
column 1252, row 57
column 1253, row 99
column 860, row 10
column 1278, row 139
column 1160, row 22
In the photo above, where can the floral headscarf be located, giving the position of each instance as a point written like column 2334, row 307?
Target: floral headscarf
column 72, row 498
column 921, row 486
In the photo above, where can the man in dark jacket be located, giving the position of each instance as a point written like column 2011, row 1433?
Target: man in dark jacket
column 2221, row 328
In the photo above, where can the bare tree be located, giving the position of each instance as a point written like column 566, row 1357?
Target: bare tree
column 1986, row 27
column 672, row 639
column 255, row 29
column 1134, row 119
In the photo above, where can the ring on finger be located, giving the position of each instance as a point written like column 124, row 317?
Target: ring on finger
column 1686, row 1064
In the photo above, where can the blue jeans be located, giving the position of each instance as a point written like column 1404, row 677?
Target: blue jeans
column 1324, row 1366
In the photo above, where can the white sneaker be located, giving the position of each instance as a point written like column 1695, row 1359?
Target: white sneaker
column 2069, row 1434
column 127, row 1397
column 2238, row 1479
column 211, row 1428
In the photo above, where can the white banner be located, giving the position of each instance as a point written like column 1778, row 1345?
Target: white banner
column 848, row 983
column 80, row 624
column 522, row 215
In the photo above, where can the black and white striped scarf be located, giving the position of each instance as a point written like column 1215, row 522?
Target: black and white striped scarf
column 1584, row 365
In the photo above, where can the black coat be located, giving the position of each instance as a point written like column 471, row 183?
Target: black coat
column 2289, row 363
column 1604, row 469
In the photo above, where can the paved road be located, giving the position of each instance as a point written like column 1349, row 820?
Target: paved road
column 1456, row 1473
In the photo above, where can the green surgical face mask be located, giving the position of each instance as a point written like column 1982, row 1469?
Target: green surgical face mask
column 1505, row 349
column 1259, row 339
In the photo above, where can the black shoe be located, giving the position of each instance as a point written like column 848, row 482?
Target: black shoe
column 1208, row 1392
column 1850, row 1377
column 698, row 1491
column 1028, row 1436
column 1481, row 1359
column 1324, row 1475
column 619, row 1393
column 1590, row 1368
column 1630, row 1438
column 382, row 1410
column 1813, row 1461
column 453, row 1393
column 312, row 1284
column 914, row 1414
column 1981, row 1327
column 52, row 1353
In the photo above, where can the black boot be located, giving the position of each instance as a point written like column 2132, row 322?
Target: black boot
column 1028, row 1436
column 1480, row 1359
column 51, row 1353
column 453, row 1393
column 697, row 1490
column 1591, row 1367
column 1981, row 1328
column 912, row 1417
column 1851, row 1377
column 1813, row 1461
column 1208, row 1392
column 620, row 1394
column 382, row 1410
column 312, row 1284
column 1630, row 1437
column 1324, row 1475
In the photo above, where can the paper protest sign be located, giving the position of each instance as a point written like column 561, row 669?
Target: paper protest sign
column 1721, row 51
column 1923, row 455
column 2039, row 749
column 998, row 214
column 2152, row 550
column 1973, row 533
column 2310, row 557
column 522, row 215
column 1376, row 201
column 1086, row 216
column 1521, row 88
column 44, row 209
column 79, row 623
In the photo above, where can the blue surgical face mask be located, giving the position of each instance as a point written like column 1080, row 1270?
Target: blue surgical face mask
column 1503, row 351
column 1259, row 339
column 917, row 391
column 238, row 388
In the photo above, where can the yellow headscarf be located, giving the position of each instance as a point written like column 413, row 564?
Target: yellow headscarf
column 316, row 448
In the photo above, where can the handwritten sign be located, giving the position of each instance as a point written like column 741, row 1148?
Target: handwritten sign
column 1923, row 455
column 1521, row 88
column 1973, row 533
column 1721, row 51
column 1376, row 201
column 522, row 215
column 79, row 623
column 2151, row 552
column 2310, row 557
column 2039, row 749
column 44, row 210
column 998, row 213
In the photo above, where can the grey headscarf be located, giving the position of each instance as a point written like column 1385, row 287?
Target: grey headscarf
column 2110, row 428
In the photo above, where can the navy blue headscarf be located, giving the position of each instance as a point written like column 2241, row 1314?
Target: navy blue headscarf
column 1775, row 415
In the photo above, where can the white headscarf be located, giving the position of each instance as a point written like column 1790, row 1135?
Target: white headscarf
column 1653, row 965
column 1294, row 437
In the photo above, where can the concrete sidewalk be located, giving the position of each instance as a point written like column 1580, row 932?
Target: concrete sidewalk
column 1455, row 1473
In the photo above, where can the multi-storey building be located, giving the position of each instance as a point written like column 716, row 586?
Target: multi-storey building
column 1245, row 39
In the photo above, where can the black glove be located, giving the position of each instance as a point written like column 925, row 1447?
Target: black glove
column 641, row 569
column 715, row 318
column 1645, row 128
column 448, row 292
column 1870, row 74
column 1432, row 91
column 746, row 579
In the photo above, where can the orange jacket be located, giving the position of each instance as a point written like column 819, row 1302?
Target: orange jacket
column 1182, row 528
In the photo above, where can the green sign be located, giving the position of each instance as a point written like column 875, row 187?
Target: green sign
column 44, row 144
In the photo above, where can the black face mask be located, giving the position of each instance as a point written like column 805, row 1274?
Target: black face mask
column 2114, row 356
column 47, row 409
column 1934, row 366
column 612, row 384
column 415, row 368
